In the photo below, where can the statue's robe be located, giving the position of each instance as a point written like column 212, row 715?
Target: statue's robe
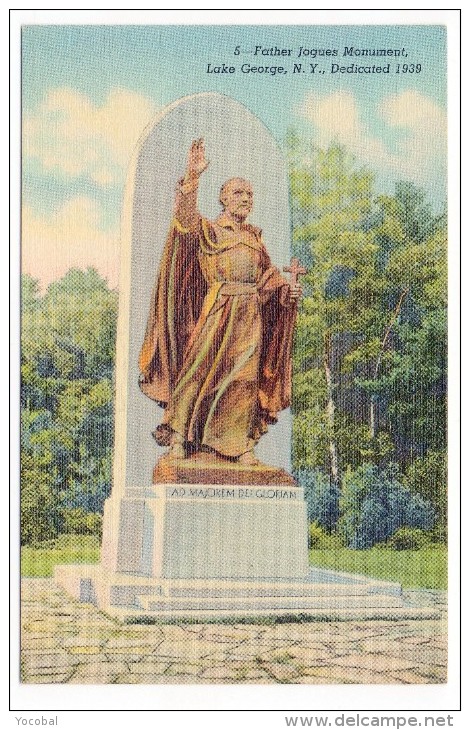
column 217, row 349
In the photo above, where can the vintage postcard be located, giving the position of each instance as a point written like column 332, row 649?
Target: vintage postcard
column 234, row 361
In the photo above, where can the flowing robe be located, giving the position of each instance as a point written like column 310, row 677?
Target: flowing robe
column 217, row 349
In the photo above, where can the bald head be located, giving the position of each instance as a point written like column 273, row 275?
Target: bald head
column 236, row 197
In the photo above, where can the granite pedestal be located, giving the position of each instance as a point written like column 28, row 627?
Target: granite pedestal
column 204, row 552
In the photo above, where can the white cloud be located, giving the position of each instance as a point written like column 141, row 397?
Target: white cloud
column 71, row 237
column 424, row 148
column 419, row 156
column 69, row 134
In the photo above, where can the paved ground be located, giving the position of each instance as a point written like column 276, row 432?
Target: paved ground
column 67, row 642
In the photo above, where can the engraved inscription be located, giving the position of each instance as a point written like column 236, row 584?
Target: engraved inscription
column 232, row 493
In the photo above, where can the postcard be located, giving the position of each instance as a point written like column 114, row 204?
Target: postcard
column 234, row 360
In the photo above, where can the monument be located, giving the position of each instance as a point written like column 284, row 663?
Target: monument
column 205, row 519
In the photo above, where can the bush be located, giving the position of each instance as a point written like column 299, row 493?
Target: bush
column 322, row 497
column 40, row 514
column 438, row 534
column 374, row 504
column 408, row 538
column 316, row 535
column 79, row 522
column 427, row 476
column 320, row 539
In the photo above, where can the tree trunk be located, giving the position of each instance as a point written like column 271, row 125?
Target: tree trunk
column 330, row 410
column 374, row 416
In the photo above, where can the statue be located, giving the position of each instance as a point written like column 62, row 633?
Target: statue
column 217, row 348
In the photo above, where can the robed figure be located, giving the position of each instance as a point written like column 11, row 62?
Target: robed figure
column 218, row 344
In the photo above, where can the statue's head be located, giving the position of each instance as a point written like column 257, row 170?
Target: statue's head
column 236, row 197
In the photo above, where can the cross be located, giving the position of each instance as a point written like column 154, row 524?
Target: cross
column 294, row 270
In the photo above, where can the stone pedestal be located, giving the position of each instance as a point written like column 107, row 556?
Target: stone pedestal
column 216, row 552
column 207, row 531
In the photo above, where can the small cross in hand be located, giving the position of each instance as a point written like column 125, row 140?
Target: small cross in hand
column 295, row 270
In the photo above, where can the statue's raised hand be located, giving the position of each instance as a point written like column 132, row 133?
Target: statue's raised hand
column 197, row 162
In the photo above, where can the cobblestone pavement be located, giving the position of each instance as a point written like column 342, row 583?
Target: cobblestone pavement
column 64, row 641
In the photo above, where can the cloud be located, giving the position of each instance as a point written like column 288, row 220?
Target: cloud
column 420, row 153
column 70, row 135
column 69, row 238
column 424, row 147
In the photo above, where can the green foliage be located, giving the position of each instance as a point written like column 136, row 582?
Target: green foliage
column 374, row 504
column 411, row 377
column 331, row 200
column 370, row 349
column 438, row 534
column 70, row 331
column 79, row 522
column 40, row 512
column 320, row 539
column 357, row 445
column 416, row 388
column 408, row 538
column 310, row 438
column 427, row 476
column 322, row 497
column 68, row 339
column 315, row 535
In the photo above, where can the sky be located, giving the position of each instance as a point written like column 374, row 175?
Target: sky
column 89, row 91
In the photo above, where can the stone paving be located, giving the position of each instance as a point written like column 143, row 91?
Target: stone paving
column 64, row 641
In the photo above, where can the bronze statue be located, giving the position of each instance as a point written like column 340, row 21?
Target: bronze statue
column 217, row 349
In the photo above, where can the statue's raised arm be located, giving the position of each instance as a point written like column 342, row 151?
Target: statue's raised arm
column 186, row 211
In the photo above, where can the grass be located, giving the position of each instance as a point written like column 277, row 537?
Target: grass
column 38, row 562
column 425, row 568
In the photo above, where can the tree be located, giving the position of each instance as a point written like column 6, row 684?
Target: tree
column 409, row 375
column 40, row 510
column 331, row 201
column 427, row 476
column 68, row 337
column 370, row 345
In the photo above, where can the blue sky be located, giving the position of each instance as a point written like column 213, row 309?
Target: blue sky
column 88, row 92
